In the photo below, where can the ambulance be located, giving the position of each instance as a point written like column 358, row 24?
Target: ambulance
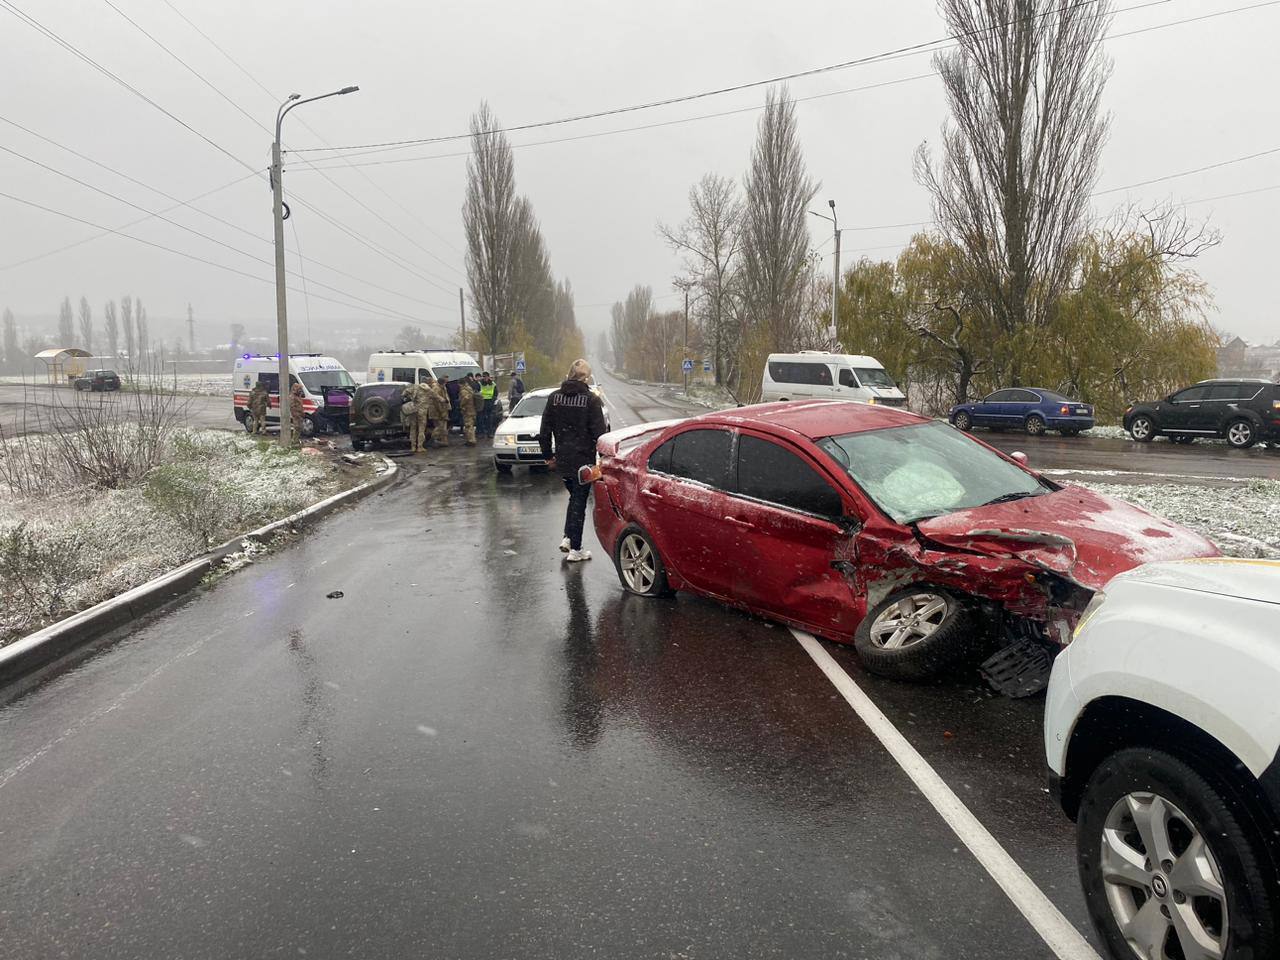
column 327, row 388
column 411, row 366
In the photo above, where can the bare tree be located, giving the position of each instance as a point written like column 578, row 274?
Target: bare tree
column 775, row 229
column 618, row 335
column 11, row 351
column 126, row 321
column 489, row 220
column 409, row 338
column 112, row 329
column 709, row 240
column 532, row 286
column 636, row 313
column 66, row 324
column 140, row 322
column 1020, row 155
column 86, row 325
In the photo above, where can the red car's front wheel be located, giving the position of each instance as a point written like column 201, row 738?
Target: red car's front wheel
column 640, row 568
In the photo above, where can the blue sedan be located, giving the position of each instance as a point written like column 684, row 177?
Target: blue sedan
column 1024, row 408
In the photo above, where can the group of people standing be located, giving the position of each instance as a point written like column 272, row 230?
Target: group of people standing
column 429, row 401
column 260, row 403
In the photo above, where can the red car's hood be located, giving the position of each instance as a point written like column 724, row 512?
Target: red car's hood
column 1082, row 535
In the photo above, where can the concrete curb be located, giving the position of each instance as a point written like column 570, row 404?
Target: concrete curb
column 42, row 648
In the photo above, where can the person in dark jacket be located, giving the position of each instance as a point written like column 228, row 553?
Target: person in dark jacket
column 574, row 418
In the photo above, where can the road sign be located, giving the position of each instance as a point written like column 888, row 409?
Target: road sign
column 520, row 365
column 687, row 366
column 706, row 366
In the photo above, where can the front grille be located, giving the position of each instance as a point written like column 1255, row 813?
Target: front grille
column 526, row 438
column 892, row 401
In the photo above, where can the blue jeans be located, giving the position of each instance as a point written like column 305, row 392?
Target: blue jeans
column 575, row 517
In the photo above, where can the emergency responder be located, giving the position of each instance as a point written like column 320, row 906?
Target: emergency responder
column 468, row 395
column 295, row 411
column 488, row 393
column 258, row 401
column 416, row 400
column 440, row 414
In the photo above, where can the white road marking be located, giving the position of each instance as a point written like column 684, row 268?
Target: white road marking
column 1056, row 930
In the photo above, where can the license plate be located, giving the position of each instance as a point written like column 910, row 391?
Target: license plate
column 536, row 451
column 1082, row 412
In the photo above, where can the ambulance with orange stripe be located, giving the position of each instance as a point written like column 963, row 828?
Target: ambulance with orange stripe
column 327, row 389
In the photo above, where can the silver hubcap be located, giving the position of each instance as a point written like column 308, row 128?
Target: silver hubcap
column 909, row 620
column 962, row 421
column 1035, row 425
column 639, row 565
column 1162, row 882
column 1239, row 433
column 1141, row 428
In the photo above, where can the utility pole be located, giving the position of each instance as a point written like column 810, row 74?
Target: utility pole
column 191, row 330
column 462, row 312
column 835, row 272
column 278, row 214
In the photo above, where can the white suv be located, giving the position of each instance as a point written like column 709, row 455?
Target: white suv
column 1162, row 724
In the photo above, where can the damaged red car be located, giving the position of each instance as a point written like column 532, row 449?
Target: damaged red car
column 919, row 544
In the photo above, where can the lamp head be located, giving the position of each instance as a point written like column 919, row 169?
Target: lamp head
column 348, row 90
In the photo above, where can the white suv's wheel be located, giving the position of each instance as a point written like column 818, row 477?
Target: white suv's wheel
column 1168, row 863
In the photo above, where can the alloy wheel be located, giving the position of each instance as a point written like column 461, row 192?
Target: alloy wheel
column 639, row 566
column 1239, row 433
column 1035, row 425
column 963, row 422
column 1162, row 881
column 1141, row 428
column 910, row 620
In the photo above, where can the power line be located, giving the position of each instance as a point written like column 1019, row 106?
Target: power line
column 1185, row 173
column 212, row 263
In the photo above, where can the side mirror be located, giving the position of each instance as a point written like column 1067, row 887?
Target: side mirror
column 1019, row 456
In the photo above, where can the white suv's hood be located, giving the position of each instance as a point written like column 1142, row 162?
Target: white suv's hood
column 1226, row 576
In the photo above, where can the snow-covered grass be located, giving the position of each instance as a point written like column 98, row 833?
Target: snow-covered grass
column 71, row 548
column 1243, row 520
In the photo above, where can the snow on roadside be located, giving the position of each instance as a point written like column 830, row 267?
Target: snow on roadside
column 1244, row 520
column 74, row 548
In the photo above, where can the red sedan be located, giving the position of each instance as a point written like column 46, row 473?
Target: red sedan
column 918, row 543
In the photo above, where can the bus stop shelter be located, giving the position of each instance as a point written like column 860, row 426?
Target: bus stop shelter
column 63, row 363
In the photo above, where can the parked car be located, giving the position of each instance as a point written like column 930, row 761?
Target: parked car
column 1163, row 742
column 515, row 442
column 1033, row 409
column 97, row 380
column 327, row 388
column 375, row 415
column 812, row 373
column 862, row 523
column 1241, row 411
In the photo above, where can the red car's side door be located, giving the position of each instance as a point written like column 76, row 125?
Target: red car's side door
column 683, row 499
column 799, row 529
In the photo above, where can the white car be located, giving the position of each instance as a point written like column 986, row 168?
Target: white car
column 1162, row 726
column 515, row 442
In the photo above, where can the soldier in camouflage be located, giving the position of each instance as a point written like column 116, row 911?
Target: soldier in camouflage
column 468, row 399
column 258, row 401
column 440, row 414
column 295, row 412
column 421, row 396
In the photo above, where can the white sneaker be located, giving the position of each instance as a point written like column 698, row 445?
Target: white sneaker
column 576, row 555
column 564, row 545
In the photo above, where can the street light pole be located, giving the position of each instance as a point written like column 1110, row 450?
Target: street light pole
column 835, row 272
column 277, row 212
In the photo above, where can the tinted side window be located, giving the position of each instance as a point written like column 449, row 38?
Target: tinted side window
column 768, row 472
column 403, row 374
column 1000, row 396
column 1226, row 391
column 1024, row 396
column 780, row 372
column 1190, row 394
column 702, row 455
column 847, row 378
column 819, row 373
column 660, row 459
column 270, row 382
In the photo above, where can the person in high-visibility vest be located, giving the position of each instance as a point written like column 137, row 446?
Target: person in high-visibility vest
column 488, row 392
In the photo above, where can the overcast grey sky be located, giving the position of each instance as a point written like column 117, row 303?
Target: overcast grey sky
column 1181, row 98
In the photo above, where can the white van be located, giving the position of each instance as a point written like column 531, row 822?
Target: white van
column 842, row 376
column 409, row 365
column 326, row 390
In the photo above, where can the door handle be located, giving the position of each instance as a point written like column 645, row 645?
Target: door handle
column 740, row 523
column 649, row 493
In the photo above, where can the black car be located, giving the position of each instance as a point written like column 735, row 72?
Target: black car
column 1241, row 411
column 375, row 414
column 97, row 380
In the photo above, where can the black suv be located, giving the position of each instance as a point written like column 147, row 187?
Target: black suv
column 1242, row 411
column 375, row 414
column 97, row 380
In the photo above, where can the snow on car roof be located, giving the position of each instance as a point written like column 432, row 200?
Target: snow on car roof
column 818, row 418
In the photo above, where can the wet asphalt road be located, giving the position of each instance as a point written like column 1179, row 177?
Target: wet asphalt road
column 480, row 751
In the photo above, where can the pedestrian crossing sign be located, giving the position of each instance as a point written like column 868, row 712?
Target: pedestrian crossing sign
column 688, row 366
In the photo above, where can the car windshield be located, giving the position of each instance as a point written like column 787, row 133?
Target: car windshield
column 927, row 470
column 530, row 407
column 874, row 377
column 314, row 380
column 455, row 373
